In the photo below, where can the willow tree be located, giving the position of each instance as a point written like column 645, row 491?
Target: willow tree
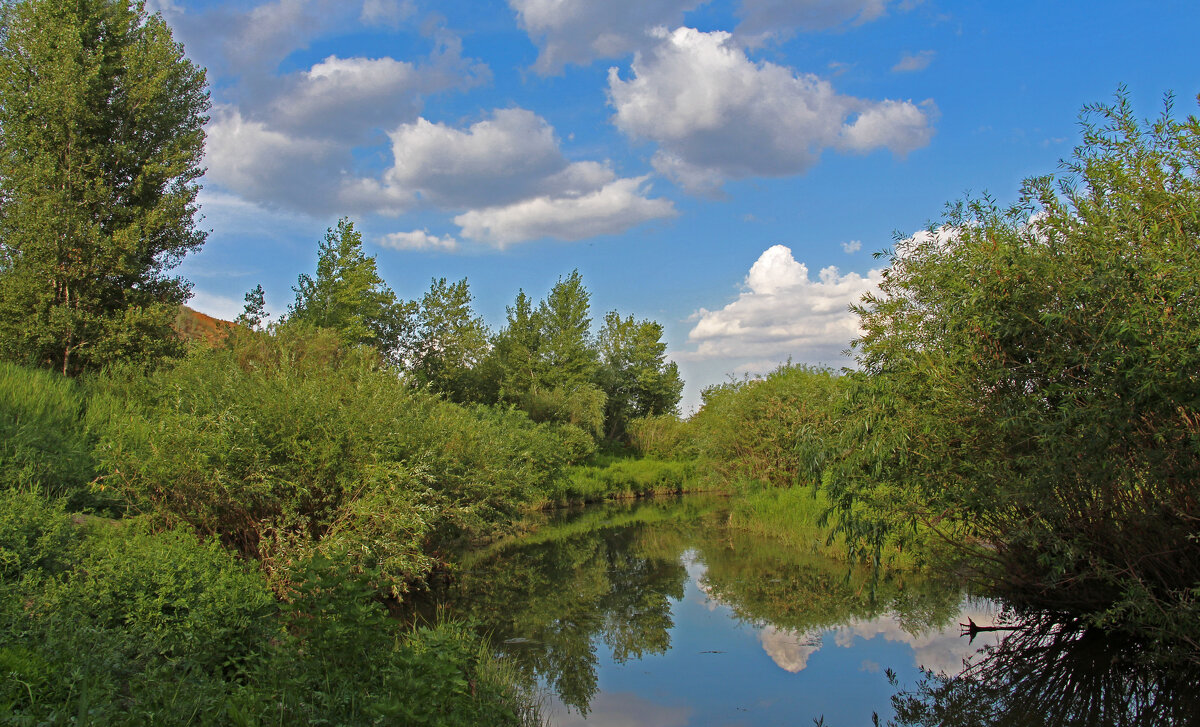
column 101, row 137
column 1036, row 378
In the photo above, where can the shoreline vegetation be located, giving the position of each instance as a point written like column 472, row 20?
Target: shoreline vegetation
column 225, row 522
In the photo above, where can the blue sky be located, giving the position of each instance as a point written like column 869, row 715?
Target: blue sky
column 724, row 167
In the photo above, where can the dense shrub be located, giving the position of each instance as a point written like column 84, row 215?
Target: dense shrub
column 288, row 443
column 1032, row 373
column 37, row 537
column 665, row 436
column 623, row 478
column 116, row 624
column 773, row 430
column 342, row 660
column 140, row 628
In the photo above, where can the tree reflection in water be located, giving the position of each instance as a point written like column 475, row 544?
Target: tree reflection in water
column 608, row 578
column 1048, row 672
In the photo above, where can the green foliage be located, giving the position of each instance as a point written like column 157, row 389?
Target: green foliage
column 1033, row 375
column 774, row 430
column 114, row 623
column 343, row 660
column 665, row 436
column 624, row 478
column 348, row 296
column 291, row 443
column 580, row 406
column 142, row 628
column 791, row 516
column 544, row 360
column 450, row 344
column 36, row 536
column 636, row 378
column 43, row 442
column 515, row 351
column 567, row 355
column 254, row 316
column 101, row 137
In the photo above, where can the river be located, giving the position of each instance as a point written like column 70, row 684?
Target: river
column 657, row 613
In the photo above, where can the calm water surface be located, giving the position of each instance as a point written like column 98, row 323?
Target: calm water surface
column 655, row 613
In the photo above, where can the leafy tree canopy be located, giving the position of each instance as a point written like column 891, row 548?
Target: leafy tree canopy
column 634, row 372
column 450, row 342
column 101, row 136
column 348, row 295
column 1035, row 373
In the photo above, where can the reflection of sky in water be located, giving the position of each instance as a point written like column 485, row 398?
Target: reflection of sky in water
column 720, row 671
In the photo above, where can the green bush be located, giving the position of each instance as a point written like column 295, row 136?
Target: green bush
column 36, row 537
column 662, row 437
column 623, row 478
column 132, row 627
column 142, row 628
column 774, row 430
column 343, row 660
column 1031, row 374
column 280, row 442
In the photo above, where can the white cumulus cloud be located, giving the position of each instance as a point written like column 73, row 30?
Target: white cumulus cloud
column 499, row 160
column 270, row 167
column 419, row 240
column 789, row 649
column 851, row 247
column 378, row 89
column 784, row 313
column 718, row 115
column 614, row 208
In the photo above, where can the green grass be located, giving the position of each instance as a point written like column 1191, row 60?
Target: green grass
column 615, row 478
column 42, row 438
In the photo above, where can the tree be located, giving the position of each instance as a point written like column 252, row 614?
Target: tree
column 348, row 296
column 1033, row 373
column 634, row 372
column 450, row 342
column 254, row 316
column 545, row 359
column 101, row 137
column 516, row 351
column 567, row 353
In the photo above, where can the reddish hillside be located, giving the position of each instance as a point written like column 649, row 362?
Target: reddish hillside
column 195, row 326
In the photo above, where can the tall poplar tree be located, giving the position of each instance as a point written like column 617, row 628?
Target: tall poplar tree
column 101, row 137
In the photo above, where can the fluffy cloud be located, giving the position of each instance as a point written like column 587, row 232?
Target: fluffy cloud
column 783, row 313
column 914, row 61
column 851, row 247
column 580, row 31
column 419, row 240
column 270, row 167
column 343, row 98
column 378, row 89
column 499, row 160
column 716, row 114
column 614, row 208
